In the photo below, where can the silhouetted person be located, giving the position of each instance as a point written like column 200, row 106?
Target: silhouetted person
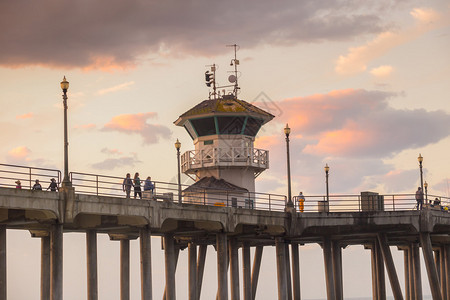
column 419, row 198
column 37, row 186
column 137, row 186
column 53, row 185
column 127, row 184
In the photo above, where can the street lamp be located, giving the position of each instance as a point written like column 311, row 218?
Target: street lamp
column 425, row 185
column 66, row 181
column 420, row 159
column 178, row 146
column 287, row 131
column 327, row 170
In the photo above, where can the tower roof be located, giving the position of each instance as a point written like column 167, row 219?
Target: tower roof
column 212, row 183
column 227, row 105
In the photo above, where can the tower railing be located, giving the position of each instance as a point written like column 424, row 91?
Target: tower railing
column 231, row 156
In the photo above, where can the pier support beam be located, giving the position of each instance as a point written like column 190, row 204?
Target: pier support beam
column 192, row 265
column 406, row 270
column 91, row 260
column 337, row 270
column 200, row 268
column 416, row 293
column 146, row 264
column 234, row 269
column 56, row 262
column 169, row 255
column 378, row 278
column 447, row 269
column 45, row 267
column 288, row 271
column 328, row 262
column 443, row 271
column 222, row 266
column 433, row 278
column 125, row 269
column 255, row 269
column 389, row 262
column 281, row 269
column 295, row 271
column 3, row 262
column 246, row 272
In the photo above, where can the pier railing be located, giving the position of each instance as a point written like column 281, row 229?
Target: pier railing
column 365, row 203
column 9, row 174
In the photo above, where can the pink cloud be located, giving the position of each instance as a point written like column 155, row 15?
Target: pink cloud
column 19, row 152
column 137, row 124
column 86, row 126
column 25, row 116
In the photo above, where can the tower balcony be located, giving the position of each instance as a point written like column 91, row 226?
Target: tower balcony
column 244, row 157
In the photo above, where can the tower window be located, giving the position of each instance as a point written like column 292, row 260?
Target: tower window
column 204, row 126
column 230, row 125
column 252, row 127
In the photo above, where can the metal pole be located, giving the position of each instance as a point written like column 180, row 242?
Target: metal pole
column 66, row 180
column 289, row 203
column 326, row 181
column 179, row 176
column 421, row 175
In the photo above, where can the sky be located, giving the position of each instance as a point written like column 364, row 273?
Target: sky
column 363, row 85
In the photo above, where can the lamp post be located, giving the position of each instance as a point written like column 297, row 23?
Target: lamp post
column 66, row 181
column 420, row 159
column 327, row 170
column 287, row 131
column 425, row 185
column 178, row 146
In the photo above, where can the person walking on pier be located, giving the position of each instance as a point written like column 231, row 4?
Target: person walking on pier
column 37, row 186
column 301, row 202
column 137, row 186
column 127, row 184
column 18, row 185
column 419, row 198
column 53, row 185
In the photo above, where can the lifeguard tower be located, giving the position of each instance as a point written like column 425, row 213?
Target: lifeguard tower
column 224, row 163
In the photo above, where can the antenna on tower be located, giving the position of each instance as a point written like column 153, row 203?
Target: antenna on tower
column 210, row 79
column 234, row 62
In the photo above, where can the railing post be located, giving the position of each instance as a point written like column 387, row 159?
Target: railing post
column 269, row 203
column 30, row 178
column 204, row 197
column 393, row 203
column 96, row 182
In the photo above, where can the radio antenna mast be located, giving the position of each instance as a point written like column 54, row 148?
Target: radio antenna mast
column 235, row 63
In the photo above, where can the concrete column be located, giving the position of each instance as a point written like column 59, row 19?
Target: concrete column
column 124, row 269
column 442, row 270
column 406, row 267
column 246, row 272
column 176, row 254
column 328, row 262
column 373, row 256
column 288, row 271
column 295, row 271
column 91, row 257
column 255, row 269
column 337, row 270
column 56, row 262
column 222, row 266
column 146, row 263
column 437, row 261
column 45, row 267
column 381, row 280
column 200, row 268
column 433, row 278
column 3, row 262
column 389, row 262
column 447, row 270
column 192, row 265
column 416, row 272
column 281, row 269
column 169, row 255
column 234, row 269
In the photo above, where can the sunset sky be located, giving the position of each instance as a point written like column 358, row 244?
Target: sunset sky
column 364, row 86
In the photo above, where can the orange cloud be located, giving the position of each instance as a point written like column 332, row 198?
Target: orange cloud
column 25, row 116
column 19, row 152
column 130, row 122
column 382, row 71
column 86, row 126
column 116, row 88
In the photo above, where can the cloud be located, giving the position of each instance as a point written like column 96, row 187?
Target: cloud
column 111, row 151
column 19, row 153
column 349, row 123
column 89, row 126
column 113, row 163
column 116, row 88
column 25, row 116
column 382, row 71
column 357, row 58
column 137, row 124
column 126, row 32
